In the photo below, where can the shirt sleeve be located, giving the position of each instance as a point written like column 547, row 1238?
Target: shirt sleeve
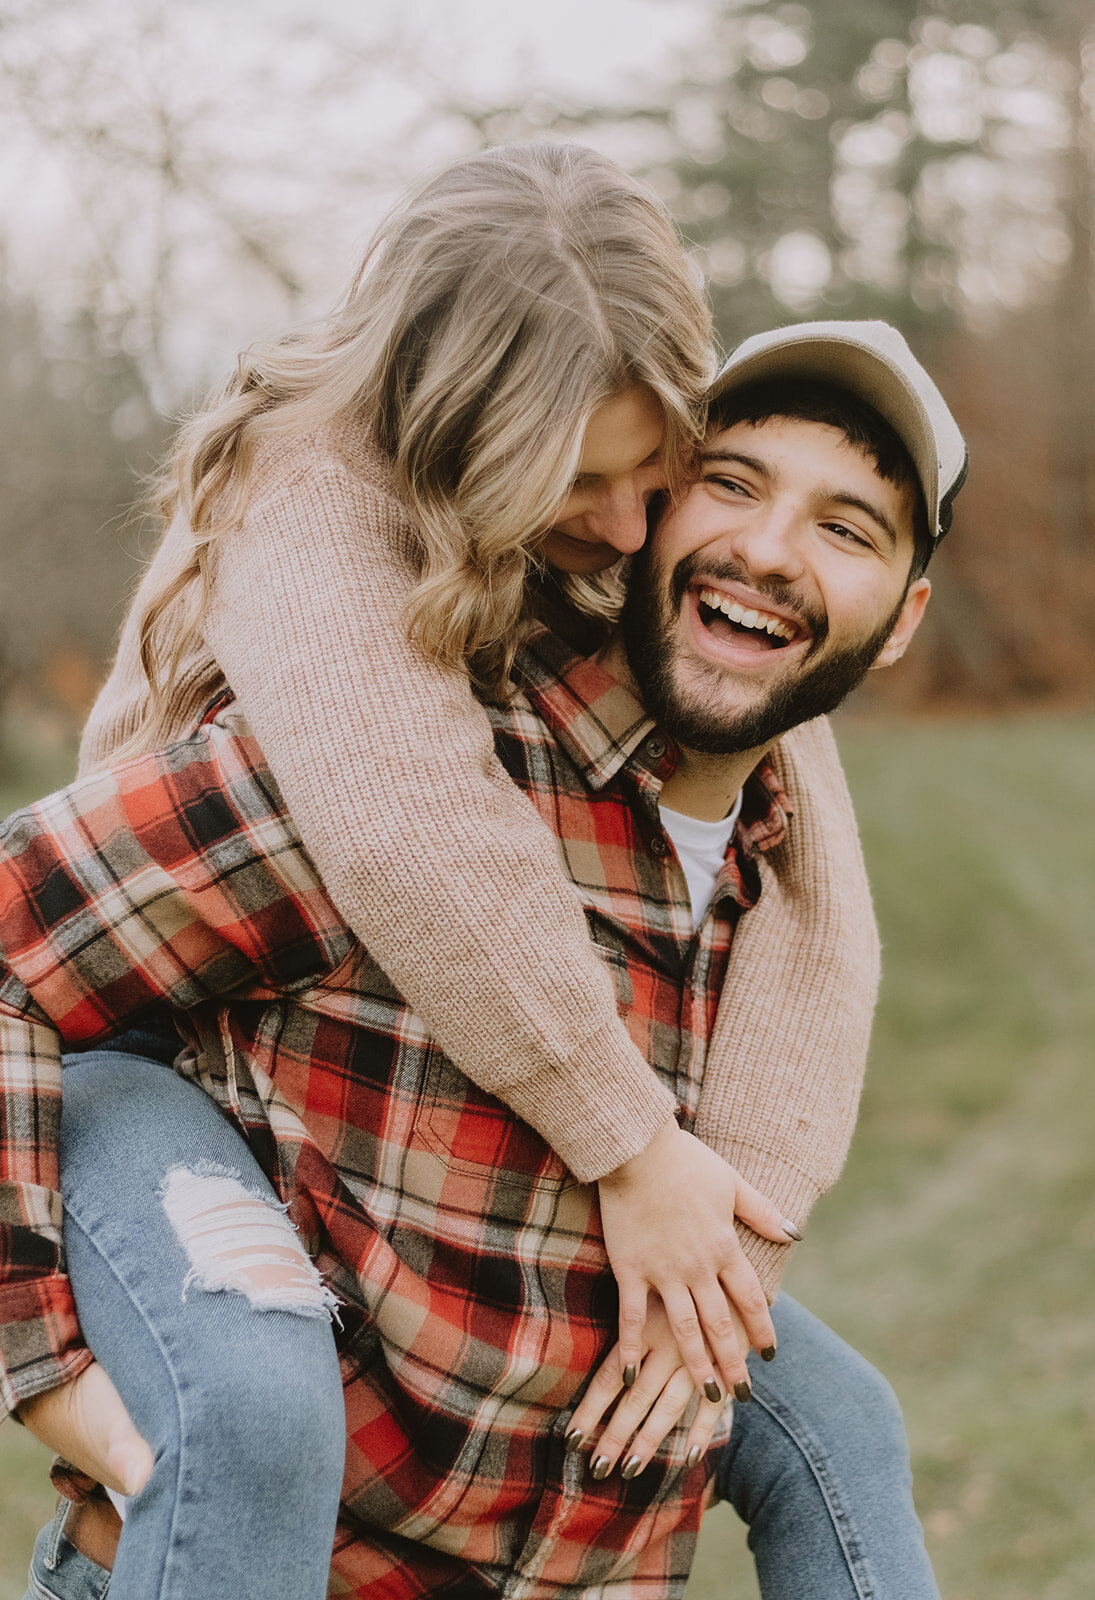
column 435, row 859
column 40, row 1341
column 173, row 878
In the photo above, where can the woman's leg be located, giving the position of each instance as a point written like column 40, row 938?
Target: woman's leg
column 818, row 1466
column 200, row 1303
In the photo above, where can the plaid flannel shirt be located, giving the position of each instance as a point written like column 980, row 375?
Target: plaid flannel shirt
column 475, row 1292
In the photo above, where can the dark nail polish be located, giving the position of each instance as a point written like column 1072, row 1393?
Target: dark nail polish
column 601, row 1467
column 742, row 1392
column 631, row 1467
column 693, row 1457
column 768, row 1353
column 572, row 1441
column 712, row 1391
column 629, row 1375
column 790, row 1230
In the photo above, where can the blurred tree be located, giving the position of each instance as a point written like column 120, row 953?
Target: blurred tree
column 930, row 163
column 75, row 426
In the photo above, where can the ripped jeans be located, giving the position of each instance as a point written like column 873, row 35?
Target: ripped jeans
column 239, row 1393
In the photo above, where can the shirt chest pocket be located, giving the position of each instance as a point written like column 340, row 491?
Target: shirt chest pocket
column 485, row 1147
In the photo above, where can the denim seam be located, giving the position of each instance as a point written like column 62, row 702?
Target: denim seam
column 814, row 1456
column 89, row 1237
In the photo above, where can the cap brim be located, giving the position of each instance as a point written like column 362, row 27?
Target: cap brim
column 838, row 359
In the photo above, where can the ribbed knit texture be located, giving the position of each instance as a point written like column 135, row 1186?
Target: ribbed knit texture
column 444, row 871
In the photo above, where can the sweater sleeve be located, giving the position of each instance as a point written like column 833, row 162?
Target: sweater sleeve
column 432, row 855
column 786, row 1061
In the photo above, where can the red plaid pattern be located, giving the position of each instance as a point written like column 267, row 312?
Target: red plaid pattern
column 470, row 1264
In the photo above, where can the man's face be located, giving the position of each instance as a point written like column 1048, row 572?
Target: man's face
column 768, row 592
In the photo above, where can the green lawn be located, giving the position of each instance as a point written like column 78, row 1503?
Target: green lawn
column 956, row 1250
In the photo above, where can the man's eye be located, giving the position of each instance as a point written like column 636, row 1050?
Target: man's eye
column 849, row 535
column 731, row 485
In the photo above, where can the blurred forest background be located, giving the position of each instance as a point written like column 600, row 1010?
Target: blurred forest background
column 176, row 180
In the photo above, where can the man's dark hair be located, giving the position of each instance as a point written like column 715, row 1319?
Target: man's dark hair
column 809, row 400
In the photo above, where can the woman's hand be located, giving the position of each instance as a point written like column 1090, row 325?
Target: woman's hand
column 668, row 1217
column 85, row 1421
column 649, row 1409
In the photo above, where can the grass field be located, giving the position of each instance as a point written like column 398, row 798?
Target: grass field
column 956, row 1251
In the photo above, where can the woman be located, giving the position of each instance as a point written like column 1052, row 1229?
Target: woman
column 518, row 368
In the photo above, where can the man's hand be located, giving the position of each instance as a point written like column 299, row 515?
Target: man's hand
column 85, row 1422
column 668, row 1225
column 643, row 1415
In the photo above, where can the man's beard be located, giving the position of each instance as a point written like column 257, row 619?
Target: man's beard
column 691, row 716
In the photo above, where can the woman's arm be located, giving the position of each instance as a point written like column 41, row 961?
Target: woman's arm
column 434, row 857
column 172, row 879
column 443, row 869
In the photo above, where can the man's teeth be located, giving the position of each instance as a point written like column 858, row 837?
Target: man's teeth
column 746, row 619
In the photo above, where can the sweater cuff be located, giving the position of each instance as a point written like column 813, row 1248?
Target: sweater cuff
column 597, row 1110
column 789, row 1189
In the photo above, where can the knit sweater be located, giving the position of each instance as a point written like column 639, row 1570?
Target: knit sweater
column 442, row 868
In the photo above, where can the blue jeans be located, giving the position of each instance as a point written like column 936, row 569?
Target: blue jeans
column 243, row 1405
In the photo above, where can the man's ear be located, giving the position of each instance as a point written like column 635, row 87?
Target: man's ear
column 906, row 625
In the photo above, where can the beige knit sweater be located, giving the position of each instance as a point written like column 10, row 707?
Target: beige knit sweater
column 444, row 871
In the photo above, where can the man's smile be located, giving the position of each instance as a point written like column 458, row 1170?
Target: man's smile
column 738, row 627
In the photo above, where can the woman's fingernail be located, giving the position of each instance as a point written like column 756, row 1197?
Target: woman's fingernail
column 742, row 1392
column 572, row 1441
column 629, row 1375
column 712, row 1391
column 768, row 1353
column 790, row 1230
column 601, row 1467
column 693, row 1456
column 631, row 1467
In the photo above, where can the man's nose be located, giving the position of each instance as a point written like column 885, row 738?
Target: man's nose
column 769, row 543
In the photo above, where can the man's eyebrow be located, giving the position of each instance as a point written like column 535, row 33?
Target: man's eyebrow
column 840, row 497
column 761, row 468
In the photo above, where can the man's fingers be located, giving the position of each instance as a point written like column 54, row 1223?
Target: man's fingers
column 131, row 1462
column 758, row 1213
column 86, row 1421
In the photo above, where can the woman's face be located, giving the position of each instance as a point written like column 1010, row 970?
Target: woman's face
column 604, row 515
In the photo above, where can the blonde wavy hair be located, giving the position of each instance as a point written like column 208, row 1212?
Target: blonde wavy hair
column 496, row 309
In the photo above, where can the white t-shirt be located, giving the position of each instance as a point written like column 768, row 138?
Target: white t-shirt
column 701, row 849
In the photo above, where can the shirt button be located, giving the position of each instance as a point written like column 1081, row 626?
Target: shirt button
column 655, row 748
column 659, row 845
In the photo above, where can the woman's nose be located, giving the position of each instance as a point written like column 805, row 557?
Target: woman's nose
column 619, row 518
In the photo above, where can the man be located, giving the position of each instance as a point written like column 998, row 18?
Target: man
column 469, row 1265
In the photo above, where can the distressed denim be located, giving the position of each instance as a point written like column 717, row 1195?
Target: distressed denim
column 243, row 1405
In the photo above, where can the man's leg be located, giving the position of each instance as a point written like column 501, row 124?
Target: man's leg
column 204, row 1310
column 818, row 1466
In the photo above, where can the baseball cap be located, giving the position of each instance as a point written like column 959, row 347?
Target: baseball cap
column 873, row 361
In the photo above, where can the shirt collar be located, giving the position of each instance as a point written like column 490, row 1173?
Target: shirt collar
column 597, row 721
column 601, row 724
